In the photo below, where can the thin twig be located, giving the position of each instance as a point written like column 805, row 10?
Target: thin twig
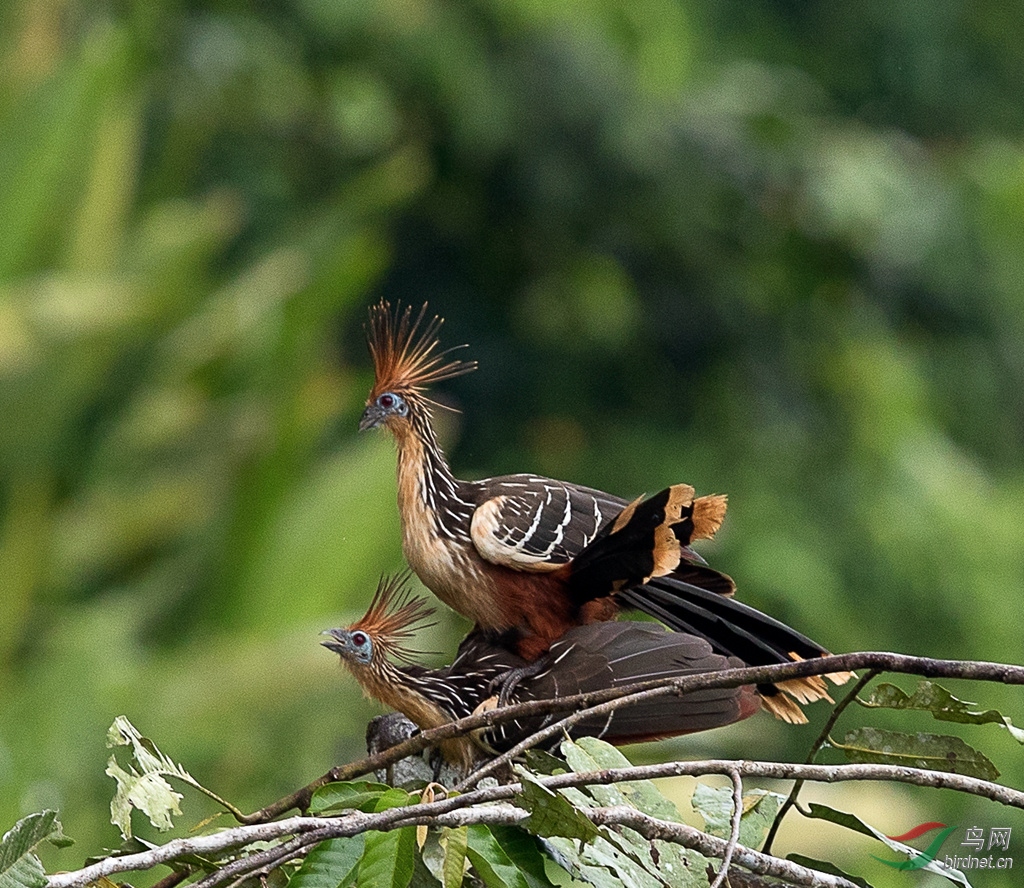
column 734, row 832
column 816, row 747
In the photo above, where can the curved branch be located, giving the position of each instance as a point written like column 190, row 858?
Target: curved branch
column 580, row 704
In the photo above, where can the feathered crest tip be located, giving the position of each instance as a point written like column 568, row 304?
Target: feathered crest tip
column 404, row 349
column 394, row 616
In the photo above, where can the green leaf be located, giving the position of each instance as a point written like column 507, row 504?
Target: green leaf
column 361, row 795
column 492, row 864
column 19, row 866
column 542, row 762
column 388, row 859
column 551, row 813
column 455, row 843
column 592, row 754
column 523, row 851
column 330, row 864
column 850, row 821
column 935, row 751
column 823, row 866
column 933, row 698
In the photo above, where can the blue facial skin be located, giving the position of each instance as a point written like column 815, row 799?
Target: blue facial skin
column 387, row 404
column 351, row 645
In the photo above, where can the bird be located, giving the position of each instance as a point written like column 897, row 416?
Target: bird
column 587, row 658
column 500, row 551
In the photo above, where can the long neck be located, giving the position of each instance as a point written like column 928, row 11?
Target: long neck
column 400, row 689
column 425, row 480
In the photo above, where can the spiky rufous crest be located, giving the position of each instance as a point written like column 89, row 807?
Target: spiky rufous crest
column 393, row 617
column 405, row 357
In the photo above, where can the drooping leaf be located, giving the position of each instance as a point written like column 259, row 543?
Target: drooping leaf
column 917, row 859
column 333, row 797
column 19, row 866
column 388, row 859
column 490, row 861
column 331, row 864
column 934, row 751
column 933, row 698
column 823, row 866
column 455, row 843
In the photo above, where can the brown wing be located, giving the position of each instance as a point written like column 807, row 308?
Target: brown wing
column 610, row 654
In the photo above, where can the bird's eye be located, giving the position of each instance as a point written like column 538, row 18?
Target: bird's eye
column 359, row 639
column 386, row 401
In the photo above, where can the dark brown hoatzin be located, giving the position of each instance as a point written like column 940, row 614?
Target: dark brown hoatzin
column 503, row 551
column 585, row 659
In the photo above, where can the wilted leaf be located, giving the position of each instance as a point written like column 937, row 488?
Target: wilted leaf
column 142, row 786
column 934, row 751
column 330, row 864
column 149, row 793
column 933, row 698
column 19, row 866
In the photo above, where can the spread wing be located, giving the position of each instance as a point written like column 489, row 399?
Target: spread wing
column 537, row 524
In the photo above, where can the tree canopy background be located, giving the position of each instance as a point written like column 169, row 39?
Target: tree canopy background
column 772, row 249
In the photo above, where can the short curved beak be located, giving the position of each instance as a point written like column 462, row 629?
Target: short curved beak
column 371, row 418
column 334, row 645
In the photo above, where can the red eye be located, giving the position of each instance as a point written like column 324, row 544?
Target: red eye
column 358, row 639
column 386, row 401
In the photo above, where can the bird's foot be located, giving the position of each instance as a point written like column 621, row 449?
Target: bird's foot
column 507, row 682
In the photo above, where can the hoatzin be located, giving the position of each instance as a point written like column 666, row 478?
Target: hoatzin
column 585, row 659
column 502, row 551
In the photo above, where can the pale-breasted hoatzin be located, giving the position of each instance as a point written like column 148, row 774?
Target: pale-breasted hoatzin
column 502, row 551
column 585, row 659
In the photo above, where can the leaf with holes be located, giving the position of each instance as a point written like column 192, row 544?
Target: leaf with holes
column 933, row 698
column 934, row 751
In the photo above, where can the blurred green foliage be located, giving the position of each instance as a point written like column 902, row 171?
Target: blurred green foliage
column 770, row 248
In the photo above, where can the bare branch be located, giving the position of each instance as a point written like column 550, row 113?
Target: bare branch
column 580, row 704
column 479, row 807
column 689, row 837
column 734, row 832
